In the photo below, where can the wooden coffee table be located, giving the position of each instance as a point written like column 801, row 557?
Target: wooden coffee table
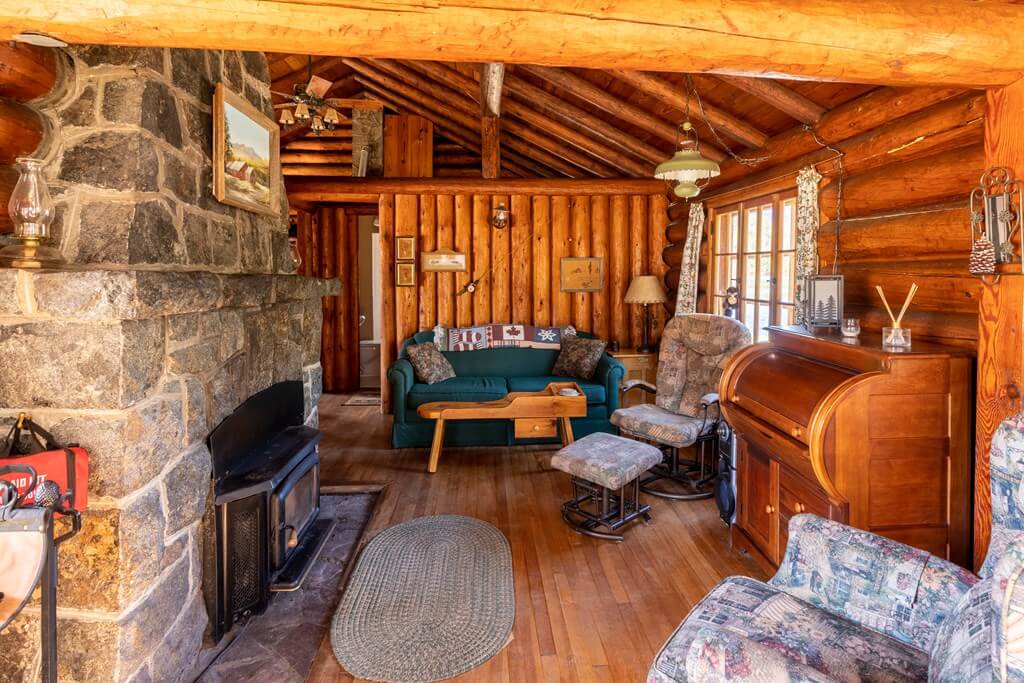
column 537, row 414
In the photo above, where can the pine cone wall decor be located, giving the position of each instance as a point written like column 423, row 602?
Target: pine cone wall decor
column 983, row 257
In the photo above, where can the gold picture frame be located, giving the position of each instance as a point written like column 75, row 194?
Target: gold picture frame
column 443, row 261
column 246, row 172
column 582, row 274
column 405, row 274
column 405, row 248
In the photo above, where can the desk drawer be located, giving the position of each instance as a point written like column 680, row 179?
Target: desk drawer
column 536, row 428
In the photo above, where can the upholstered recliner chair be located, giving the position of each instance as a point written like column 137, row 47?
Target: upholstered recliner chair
column 848, row 605
column 694, row 351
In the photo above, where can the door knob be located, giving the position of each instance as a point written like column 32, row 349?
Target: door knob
column 362, row 319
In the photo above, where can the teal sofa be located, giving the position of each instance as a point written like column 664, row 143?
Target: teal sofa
column 487, row 375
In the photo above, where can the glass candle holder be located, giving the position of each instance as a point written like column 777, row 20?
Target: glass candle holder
column 850, row 327
column 896, row 337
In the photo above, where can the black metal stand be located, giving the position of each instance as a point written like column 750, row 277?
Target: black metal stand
column 614, row 509
column 48, row 598
column 696, row 478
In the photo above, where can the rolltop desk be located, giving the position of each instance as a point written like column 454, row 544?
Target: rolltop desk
column 871, row 437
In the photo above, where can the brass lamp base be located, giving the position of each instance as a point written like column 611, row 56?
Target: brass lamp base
column 30, row 254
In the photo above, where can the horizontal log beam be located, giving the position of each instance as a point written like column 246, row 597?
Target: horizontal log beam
column 330, row 190
column 845, row 121
column 320, row 145
column 724, row 122
column 21, row 131
column 461, row 159
column 954, row 123
column 26, row 71
column 779, row 96
column 612, row 162
column 315, row 158
column 316, row 170
column 862, row 41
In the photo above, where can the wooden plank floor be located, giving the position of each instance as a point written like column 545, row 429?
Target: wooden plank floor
column 586, row 610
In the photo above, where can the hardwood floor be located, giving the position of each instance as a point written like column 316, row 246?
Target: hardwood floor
column 586, row 610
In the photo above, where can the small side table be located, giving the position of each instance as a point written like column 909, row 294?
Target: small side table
column 643, row 366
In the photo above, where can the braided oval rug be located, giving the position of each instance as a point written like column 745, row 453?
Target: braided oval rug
column 428, row 599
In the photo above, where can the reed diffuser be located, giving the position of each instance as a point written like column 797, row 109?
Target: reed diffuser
column 897, row 336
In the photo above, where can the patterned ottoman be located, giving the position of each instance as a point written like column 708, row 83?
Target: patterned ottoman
column 603, row 466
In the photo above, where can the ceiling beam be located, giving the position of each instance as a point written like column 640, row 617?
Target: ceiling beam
column 862, row 41
column 491, row 76
column 780, row 97
column 301, row 75
column 536, row 144
column 610, row 162
column 674, row 96
column 337, row 190
column 581, row 120
column 466, row 137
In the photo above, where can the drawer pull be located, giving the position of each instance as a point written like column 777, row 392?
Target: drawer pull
column 769, row 509
column 800, row 508
column 797, row 432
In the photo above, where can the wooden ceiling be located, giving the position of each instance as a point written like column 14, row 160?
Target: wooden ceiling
column 568, row 122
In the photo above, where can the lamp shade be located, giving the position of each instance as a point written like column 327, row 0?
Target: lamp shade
column 645, row 289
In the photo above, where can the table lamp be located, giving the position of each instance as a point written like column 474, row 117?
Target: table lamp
column 646, row 290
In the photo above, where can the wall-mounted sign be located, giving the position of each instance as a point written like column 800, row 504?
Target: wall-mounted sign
column 443, row 260
column 582, row 274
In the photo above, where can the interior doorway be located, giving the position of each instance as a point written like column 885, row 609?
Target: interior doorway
column 369, row 303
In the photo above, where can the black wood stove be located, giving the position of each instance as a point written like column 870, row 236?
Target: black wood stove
column 266, row 532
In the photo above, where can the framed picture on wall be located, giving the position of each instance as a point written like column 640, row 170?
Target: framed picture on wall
column 824, row 300
column 405, row 274
column 582, row 274
column 405, row 248
column 246, row 155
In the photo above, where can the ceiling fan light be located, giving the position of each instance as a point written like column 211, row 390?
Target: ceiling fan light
column 302, row 111
column 331, row 117
column 317, row 125
column 286, row 118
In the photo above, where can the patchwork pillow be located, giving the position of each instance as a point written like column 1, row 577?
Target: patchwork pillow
column 500, row 336
column 467, row 338
column 579, row 357
column 428, row 363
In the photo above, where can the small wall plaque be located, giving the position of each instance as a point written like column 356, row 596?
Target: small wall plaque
column 405, row 248
column 582, row 274
column 405, row 274
column 443, row 260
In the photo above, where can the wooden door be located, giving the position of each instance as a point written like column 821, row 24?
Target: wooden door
column 758, row 488
column 1000, row 383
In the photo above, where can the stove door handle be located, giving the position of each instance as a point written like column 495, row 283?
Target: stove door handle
column 293, row 538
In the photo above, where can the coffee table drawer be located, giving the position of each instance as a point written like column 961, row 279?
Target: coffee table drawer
column 536, row 428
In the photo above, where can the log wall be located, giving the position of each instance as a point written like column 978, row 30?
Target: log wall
column 522, row 262
column 26, row 73
column 906, row 179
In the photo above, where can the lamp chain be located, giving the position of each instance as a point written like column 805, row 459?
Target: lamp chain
column 839, row 155
column 746, row 161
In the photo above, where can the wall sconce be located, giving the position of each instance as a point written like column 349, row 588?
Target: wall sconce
column 501, row 218
column 32, row 210
column 995, row 219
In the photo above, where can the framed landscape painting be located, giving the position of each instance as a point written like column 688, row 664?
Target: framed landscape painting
column 246, row 155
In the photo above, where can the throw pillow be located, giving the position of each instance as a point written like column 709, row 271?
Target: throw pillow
column 467, row 338
column 579, row 357
column 428, row 363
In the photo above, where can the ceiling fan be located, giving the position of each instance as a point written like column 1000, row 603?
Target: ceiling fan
column 309, row 102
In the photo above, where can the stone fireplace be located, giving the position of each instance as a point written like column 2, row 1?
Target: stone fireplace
column 174, row 309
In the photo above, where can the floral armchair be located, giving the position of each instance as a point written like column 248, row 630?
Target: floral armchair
column 695, row 349
column 848, row 605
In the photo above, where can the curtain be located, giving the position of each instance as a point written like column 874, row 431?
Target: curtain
column 807, row 218
column 686, row 298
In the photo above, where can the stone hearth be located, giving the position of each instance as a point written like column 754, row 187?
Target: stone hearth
column 173, row 310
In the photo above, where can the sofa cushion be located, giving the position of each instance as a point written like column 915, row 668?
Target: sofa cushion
column 428, row 363
column 594, row 391
column 458, row 389
column 579, row 357
column 745, row 630
column 650, row 421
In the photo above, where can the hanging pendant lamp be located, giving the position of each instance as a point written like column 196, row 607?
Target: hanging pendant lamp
column 691, row 170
